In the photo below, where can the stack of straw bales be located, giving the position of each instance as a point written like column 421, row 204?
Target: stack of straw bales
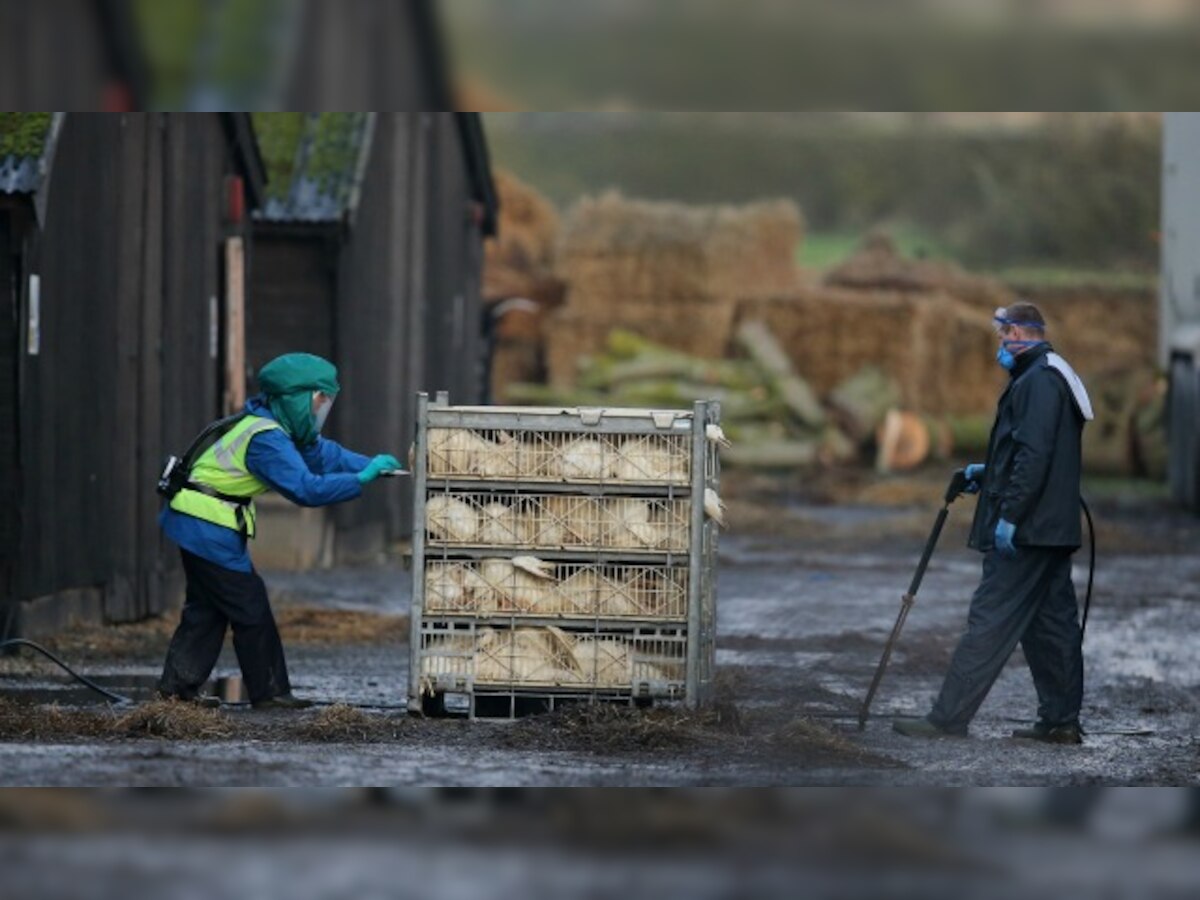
column 519, row 265
column 670, row 272
column 939, row 352
column 522, row 253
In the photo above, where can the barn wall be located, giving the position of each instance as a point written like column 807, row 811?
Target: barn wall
column 129, row 258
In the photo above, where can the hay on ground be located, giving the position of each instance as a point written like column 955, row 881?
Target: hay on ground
column 342, row 724
column 173, row 720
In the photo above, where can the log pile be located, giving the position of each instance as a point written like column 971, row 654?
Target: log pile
column 774, row 417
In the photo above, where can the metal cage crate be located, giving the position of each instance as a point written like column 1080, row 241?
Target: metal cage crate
column 562, row 553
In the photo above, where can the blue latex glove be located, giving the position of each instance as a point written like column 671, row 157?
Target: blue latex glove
column 974, row 473
column 1005, row 532
column 381, row 463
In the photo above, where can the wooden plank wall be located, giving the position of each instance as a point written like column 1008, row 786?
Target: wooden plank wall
column 10, row 348
column 291, row 295
column 129, row 257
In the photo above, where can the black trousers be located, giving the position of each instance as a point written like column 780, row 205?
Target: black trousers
column 217, row 597
column 1027, row 599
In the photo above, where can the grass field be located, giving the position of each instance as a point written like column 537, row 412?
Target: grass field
column 823, row 250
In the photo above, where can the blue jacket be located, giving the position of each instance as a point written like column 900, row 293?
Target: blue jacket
column 317, row 475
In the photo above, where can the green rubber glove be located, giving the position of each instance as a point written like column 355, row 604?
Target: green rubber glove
column 381, row 463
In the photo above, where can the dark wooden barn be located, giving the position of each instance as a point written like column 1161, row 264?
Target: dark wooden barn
column 122, row 252
column 369, row 250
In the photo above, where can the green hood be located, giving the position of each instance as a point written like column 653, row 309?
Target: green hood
column 288, row 382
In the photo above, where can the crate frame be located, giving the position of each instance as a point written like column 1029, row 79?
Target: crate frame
column 699, row 623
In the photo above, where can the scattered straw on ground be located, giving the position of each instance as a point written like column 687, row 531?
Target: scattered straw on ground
column 612, row 728
column 341, row 723
column 175, row 721
column 166, row 719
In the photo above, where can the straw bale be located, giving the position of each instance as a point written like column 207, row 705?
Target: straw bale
column 1100, row 329
column 522, row 253
column 878, row 265
column 672, row 273
column 662, row 251
column 940, row 352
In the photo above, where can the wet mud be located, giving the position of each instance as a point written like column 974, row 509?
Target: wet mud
column 810, row 581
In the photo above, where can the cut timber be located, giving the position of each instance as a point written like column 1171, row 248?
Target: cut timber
column 760, row 345
column 903, row 442
column 860, row 403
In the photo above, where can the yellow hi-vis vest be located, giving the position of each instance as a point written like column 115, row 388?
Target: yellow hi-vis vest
column 222, row 467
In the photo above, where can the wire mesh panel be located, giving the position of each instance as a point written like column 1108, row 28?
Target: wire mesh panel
column 549, row 456
column 521, row 586
column 461, row 656
column 562, row 521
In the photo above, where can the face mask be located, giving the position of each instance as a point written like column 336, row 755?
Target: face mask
column 321, row 414
column 1007, row 358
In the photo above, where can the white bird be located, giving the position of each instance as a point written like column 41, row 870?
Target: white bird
column 716, row 435
column 714, row 507
column 534, row 566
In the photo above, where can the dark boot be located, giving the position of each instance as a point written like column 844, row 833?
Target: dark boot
column 1069, row 733
column 283, row 701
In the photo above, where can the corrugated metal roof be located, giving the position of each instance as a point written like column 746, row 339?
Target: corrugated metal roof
column 315, row 163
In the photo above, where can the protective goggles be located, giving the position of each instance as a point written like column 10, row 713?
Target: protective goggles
column 1002, row 322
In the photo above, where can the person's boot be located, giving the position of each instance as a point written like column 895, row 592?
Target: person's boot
column 923, row 728
column 283, row 701
column 1070, row 733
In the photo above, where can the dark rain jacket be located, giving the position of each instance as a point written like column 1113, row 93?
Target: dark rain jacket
column 1034, row 460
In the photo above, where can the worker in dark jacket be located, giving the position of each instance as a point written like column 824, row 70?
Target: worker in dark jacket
column 275, row 445
column 1027, row 526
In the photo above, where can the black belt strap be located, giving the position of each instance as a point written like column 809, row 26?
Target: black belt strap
column 240, row 502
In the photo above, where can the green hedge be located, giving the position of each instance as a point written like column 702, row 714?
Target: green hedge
column 1073, row 194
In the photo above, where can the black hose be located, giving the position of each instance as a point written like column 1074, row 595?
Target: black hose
column 82, row 679
column 1087, row 601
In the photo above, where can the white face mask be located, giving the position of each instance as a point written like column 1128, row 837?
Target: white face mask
column 321, row 413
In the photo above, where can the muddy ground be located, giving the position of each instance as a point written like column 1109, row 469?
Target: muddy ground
column 809, row 585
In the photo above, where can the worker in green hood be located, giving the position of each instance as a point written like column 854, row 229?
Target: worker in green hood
column 274, row 443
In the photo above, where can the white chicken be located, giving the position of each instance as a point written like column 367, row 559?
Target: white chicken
column 716, row 435
column 646, row 460
column 584, row 459
column 621, row 518
column 450, row 519
column 499, row 524
column 714, row 508
column 444, row 588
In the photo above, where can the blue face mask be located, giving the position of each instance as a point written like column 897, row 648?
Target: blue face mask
column 1007, row 358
